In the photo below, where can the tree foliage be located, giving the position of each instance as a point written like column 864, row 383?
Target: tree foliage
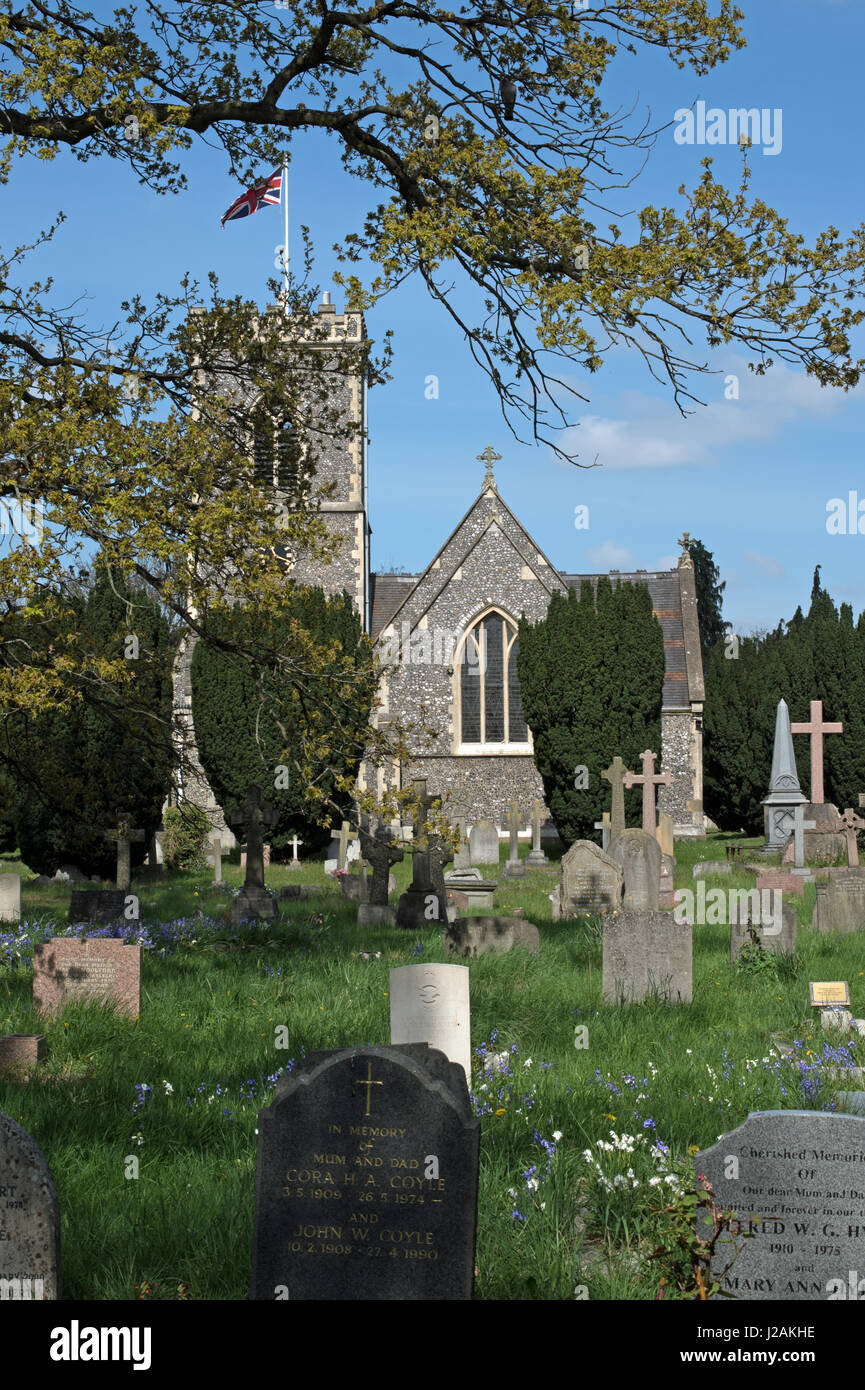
column 710, row 598
column 818, row 656
column 591, row 676
column 109, row 750
column 255, row 727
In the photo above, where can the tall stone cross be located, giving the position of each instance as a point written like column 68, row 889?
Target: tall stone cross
column 615, row 774
column 816, row 728
column 648, row 780
column 380, row 850
column 799, row 827
column 345, row 834
column 294, row 844
column 125, row 836
column 515, row 823
column 252, row 817
column 852, row 825
column 489, row 457
column 421, row 880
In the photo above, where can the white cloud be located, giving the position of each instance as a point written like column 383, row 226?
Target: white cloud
column 610, row 556
column 767, row 564
column 648, row 432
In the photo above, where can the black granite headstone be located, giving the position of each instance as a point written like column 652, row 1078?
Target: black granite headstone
column 366, row 1180
column 101, row 905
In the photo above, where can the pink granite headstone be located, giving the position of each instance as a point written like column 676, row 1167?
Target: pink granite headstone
column 94, row 969
column 788, row 883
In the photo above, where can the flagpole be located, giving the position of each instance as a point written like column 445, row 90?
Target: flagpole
column 284, row 192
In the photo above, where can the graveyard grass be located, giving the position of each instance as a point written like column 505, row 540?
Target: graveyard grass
column 569, row 1184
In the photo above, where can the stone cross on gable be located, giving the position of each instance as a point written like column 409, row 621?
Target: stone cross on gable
column 649, row 780
column 799, row 827
column 489, row 457
column 852, row 825
column 816, row 728
column 685, row 542
column 125, row 836
column 251, row 818
column 615, row 774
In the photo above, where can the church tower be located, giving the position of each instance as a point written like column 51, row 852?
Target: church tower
column 340, row 461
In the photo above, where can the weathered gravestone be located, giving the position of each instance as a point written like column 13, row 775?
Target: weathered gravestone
column 98, row 905
column 253, row 900
column 484, row 843
column 29, row 1218
column 424, row 899
column 638, row 854
column 430, row 1003
column 351, row 1137
column 770, row 920
column 788, row 883
column 591, row 881
column 480, row 936
column 840, row 905
column 536, row 857
column 21, row 1054
column 514, row 866
column 664, row 834
column 125, row 836
column 802, row 1173
column 666, row 881
column 647, row 953
column 10, row 897
column 92, row 969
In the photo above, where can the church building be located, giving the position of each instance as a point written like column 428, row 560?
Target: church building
column 447, row 638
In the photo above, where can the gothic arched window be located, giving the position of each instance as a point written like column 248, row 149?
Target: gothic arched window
column 491, row 710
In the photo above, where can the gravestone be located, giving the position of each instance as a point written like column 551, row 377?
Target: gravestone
column 648, row 780
column 10, row 897
column 471, row 884
column 819, row 841
column 354, row 886
column 666, row 882
column 638, row 854
column 604, row 826
column 664, row 834
column 484, row 843
column 774, row 924
column 101, row 906
column 514, row 866
column 785, row 794
column 536, row 857
column 591, row 881
column 840, row 905
column 787, row 883
column 253, row 900
column 615, row 775
column 802, row 1173
column 481, row 936
column 707, row 867
column 430, row 1003
column 462, row 857
column 21, row 1054
column 644, row 954
column 29, row 1219
column 265, row 851
column 424, row 899
column 351, row 1137
column 816, row 729
column 125, row 836
column 380, row 851
column 92, row 969
column 214, row 856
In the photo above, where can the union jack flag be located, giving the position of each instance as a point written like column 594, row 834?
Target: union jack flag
column 268, row 192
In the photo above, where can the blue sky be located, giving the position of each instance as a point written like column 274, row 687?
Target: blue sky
column 751, row 477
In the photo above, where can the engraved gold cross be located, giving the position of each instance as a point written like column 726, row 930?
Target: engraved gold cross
column 369, row 1083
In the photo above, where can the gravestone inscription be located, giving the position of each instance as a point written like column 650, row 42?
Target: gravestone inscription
column 591, row 881
column 29, row 1218
column 366, row 1180
column 796, row 1180
column 91, row 969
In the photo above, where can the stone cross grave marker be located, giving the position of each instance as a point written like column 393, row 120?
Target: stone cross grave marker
column 430, row 1003
column 346, row 835
column 10, row 897
column 29, row 1219
column 125, row 837
column 252, row 818
column 816, row 728
column 90, row 969
column 214, row 856
column 350, row 1136
column 536, row 855
column 514, row 867
column 648, row 780
column 615, row 775
column 380, row 850
column 795, row 1179
column 799, row 827
column 852, row 825
column 604, row 826
column 421, row 899
column 294, row 844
